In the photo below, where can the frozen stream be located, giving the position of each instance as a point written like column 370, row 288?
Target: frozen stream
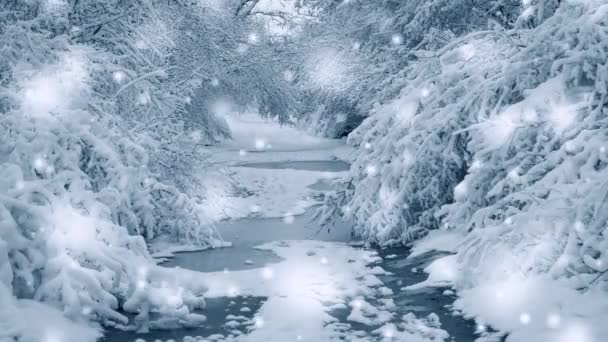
column 248, row 233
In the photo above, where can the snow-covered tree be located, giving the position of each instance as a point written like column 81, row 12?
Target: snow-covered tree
column 368, row 48
column 495, row 129
column 100, row 136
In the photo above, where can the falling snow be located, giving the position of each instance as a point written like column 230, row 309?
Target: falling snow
column 157, row 158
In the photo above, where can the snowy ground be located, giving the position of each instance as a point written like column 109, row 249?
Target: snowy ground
column 256, row 139
column 522, row 307
column 313, row 278
column 267, row 192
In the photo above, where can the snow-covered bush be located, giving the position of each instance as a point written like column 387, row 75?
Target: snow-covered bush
column 498, row 133
column 373, row 44
column 83, row 185
column 535, row 188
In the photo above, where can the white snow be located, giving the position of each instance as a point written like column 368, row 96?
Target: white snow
column 281, row 193
column 56, row 88
column 302, row 290
column 438, row 240
column 538, row 309
column 36, row 322
column 529, row 307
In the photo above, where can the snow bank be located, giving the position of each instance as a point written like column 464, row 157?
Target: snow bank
column 439, row 240
column 269, row 193
column 254, row 134
column 248, row 190
column 32, row 321
column 537, row 309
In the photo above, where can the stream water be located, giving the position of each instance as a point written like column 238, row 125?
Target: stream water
column 247, row 233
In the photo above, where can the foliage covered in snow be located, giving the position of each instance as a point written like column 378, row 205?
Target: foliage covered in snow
column 99, row 139
column 498, row 132
column 371, row 46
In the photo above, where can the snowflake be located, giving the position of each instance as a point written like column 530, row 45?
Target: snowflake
column 397, row 39
column 19, row 185
column 553, row 320
column 267, row 273
column 388, row 333
column 119, row 76
column 232, row 291
column 253, row 38
column 259, row 322
column 260, row 144
column 330, row 68
column 525, row 318
column 371, row 170
column 288, row 218
column 39, row 163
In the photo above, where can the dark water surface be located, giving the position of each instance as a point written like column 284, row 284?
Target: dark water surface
column 246, row 234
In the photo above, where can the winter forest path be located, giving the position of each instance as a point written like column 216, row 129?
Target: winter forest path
column 284, row 279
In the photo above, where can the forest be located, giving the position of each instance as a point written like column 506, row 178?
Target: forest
column 314, row 170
